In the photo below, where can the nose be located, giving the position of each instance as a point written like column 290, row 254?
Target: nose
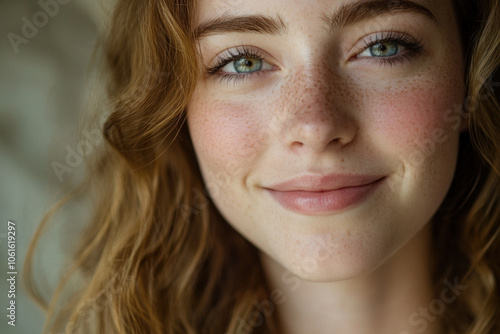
column 316, row 110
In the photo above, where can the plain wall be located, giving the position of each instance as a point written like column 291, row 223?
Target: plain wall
column 43, row 87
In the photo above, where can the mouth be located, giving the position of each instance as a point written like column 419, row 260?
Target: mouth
column 326, row 194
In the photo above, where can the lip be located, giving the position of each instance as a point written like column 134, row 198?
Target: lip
column 312, row 195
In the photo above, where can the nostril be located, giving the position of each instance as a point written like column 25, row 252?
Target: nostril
column 320, row 134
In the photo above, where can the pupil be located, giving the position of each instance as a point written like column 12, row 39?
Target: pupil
column 247, row 65
column 384, row 49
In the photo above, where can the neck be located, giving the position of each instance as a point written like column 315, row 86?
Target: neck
column 391, row 299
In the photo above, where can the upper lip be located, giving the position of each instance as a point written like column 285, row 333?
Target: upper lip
column 319, row 183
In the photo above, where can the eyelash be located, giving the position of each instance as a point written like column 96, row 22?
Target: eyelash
column 223, row 60
column 412, row 49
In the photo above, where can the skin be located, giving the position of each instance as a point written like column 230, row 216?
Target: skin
column 317, row 110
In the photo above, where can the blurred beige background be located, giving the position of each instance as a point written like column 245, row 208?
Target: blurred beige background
column 44, row 76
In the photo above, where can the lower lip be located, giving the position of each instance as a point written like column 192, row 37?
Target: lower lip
column 311, row 202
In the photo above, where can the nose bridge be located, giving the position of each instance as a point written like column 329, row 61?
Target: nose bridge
column 313, row 100
column 313, row 91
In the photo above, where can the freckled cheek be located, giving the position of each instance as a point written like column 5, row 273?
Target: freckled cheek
column 414, row 115
column 227, row 136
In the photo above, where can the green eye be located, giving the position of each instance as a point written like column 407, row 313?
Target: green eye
column 247, row 65
column 386, row 49
column 242, row 62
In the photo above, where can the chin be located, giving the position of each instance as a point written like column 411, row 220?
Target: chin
column 324, row 260
column 326, row 271
column 346, row 254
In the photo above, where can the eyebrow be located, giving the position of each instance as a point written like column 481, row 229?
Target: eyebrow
column 252, row 23
column 346, row 15
column 350, row 14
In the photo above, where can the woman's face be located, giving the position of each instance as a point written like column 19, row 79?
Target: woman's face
column 327, row 131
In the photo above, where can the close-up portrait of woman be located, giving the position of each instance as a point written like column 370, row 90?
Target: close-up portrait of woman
column 288, row 167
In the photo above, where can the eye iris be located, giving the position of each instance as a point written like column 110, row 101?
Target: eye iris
column 247, row 65
column 384, row 50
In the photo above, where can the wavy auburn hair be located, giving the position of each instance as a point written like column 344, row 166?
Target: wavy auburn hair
column 157, row 257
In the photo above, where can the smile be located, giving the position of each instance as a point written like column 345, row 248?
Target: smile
column 313, row 196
